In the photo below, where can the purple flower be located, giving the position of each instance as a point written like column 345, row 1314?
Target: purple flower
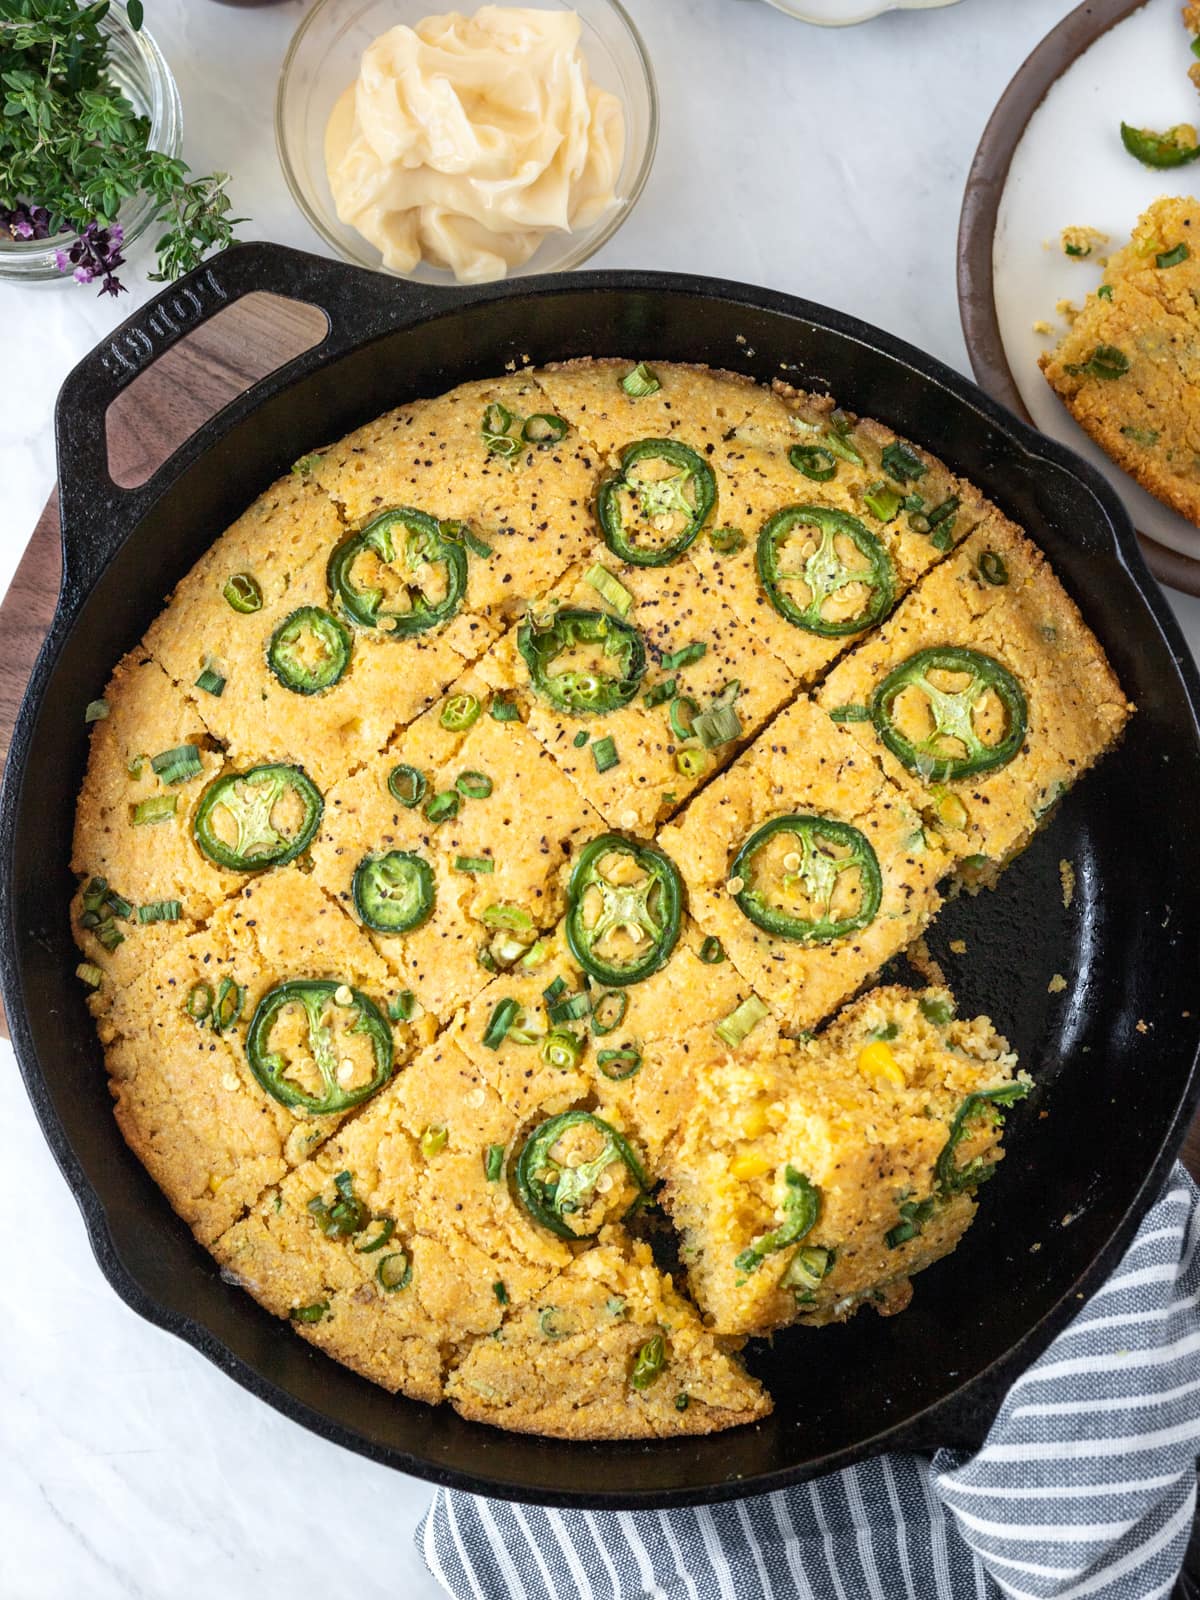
column 25, row 221
column 96, row 253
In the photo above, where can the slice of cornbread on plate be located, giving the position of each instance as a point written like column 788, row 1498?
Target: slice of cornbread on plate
column 1126, row 368
column 607, row 1350
column 985, row 695
column 808, row 865
column 812, row 1178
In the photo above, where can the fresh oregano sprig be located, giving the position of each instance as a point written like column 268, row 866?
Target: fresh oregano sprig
column 73, row 150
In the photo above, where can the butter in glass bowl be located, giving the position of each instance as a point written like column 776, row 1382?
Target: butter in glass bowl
column 446, row 148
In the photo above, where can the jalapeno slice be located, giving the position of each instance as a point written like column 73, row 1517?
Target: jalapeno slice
column 801, row 1208
column 953, row 1176
column 1175, row 148
column 309, row 651
column 624, row 902
column 399, row 574
column 316, row 1082
column 954, row 746
column 264, row 817
column 651, row 510
column 840, row 579
column 554, row 1191
column 807, row 878
column 593, row 640
column 393, row 893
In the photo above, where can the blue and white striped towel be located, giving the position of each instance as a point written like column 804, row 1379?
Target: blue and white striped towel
column 1085, row 1486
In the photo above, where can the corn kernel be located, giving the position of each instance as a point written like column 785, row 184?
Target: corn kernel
column 752, row 1123
column 743, row 1168
column 875, row 1060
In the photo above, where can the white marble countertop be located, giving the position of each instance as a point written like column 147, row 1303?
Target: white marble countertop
column 828, row 163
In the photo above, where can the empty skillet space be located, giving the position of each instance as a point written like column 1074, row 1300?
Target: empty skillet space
column 1127, row 829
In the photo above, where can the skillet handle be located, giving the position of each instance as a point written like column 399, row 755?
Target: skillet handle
column 95, row 514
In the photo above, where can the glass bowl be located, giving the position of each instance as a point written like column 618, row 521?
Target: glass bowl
column 140, row 71
column 324, row 58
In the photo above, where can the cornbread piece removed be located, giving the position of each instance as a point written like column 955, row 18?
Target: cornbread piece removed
column 1126, row 367
column 997, row 600
column 854, row 516
column 278, row 553
column 608, row 1350
column 808, row 864
column 677, row 684
column 811, row 1179
column 133, row 824
column 465, row 456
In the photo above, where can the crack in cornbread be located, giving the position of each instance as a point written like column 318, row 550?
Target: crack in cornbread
column 414, row 1037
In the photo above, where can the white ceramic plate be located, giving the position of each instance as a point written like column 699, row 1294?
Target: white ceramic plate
column 1071, row 168
column 841, row 13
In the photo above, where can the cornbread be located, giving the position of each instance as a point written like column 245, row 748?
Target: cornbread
column 484, row 860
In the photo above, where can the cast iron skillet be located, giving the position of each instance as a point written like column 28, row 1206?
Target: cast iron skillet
column 1087, row 1154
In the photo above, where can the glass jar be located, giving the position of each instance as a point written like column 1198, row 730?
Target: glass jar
column 139, row 69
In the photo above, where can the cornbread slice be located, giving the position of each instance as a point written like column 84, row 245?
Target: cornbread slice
column 608, row 1350
column 803, row 767
column 524, row 830
column 1126, row 368
column 658, row 762
column 811, row 1179
column 1022, row 619
column 532, row 507
column 904, row 497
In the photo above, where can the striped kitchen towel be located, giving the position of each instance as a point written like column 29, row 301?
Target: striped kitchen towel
column 1085, row 1486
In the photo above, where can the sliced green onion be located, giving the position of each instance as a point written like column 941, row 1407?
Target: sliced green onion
column 407, row 785
column 553, row 990
column 473, row 785
column 500, row 1292
column 313, row 1313
column 581, row 738
column 535, row 955
column 95, row 894
column 712, row 952
column 158, row 808
column 176, row 766
column 640, row 382
column 402, row 1007
column 108, row 935
column 660, row 692
column 307, row 464
column 947, row 508
column 610, row 589
column 572, row 1009
column 727, row 541
column 460, row 712
column 434, row 1140
column 503, row 710
column 617, row 1065
column 394, row 1272
column 882, row 502
column 684, row 657
column 813, row 461
column 1106, row 361
column 609, row 1011
column 850, row 713
column 211, row 683
column 160, row 911
column 477, row 546
column 501, row 1020
column 993, row 569
column 511, row 917
column 901, row 463
column 604, row 754
column 118, row 906
column 87, row 972
column 474, row 864
column 562, row 1049
column 807, row 1268
column 732, row 1030
column 647, row 1368
column 717, row 726
column 243, row 593
column 95, row 711
column 1104, row 292
column 227, row 1007
column 543, row 429
column 1172, row 258
column 938, row 1011
column 375, row 1235
column 684, row 711
column 442, row 806
column 493, row 1162
column 837, row 441
column 199, row 1002
column 691, row 763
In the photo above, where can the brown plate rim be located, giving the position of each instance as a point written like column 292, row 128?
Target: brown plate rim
column 986, row 180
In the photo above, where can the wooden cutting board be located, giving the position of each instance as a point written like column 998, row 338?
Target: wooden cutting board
column 158, row 411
